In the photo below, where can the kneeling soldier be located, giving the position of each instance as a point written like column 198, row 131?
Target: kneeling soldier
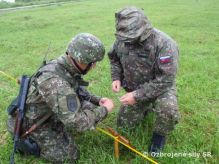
column 58, row 101
column 144, row 62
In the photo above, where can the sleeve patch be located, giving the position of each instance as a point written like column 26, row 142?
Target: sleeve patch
column 165, row 59
column 72, row 103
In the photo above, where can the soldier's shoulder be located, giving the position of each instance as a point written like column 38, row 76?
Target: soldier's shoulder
column 47, row 76
column 114, row 48
column 47, row 72
column 162, row 37
column 115, row 44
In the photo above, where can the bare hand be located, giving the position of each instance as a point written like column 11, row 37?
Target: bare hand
column 108, row 103
column 116, row 86
column 128, row 99
column 103, row 100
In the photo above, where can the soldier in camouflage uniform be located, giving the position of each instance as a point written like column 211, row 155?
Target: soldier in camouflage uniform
column 56, row 88
column 144, row 62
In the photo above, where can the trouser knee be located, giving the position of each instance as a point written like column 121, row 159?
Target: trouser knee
column 166, row 120
column 166, row 109
column 130, row 116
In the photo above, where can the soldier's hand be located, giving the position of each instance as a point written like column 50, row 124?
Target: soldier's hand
column 128, row 99
column 116, row 85
column 108, row 103
column 103, row 100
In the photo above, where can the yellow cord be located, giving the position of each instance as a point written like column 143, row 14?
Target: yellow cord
column 8, row 76
column 137, row 152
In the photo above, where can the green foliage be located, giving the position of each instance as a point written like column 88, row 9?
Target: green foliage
column 24, row 39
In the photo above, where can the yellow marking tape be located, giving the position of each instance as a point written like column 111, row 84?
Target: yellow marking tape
column 137, row 152
column 8, row 76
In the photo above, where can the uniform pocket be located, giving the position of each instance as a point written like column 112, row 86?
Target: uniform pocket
column 143, row 55
column 141, row 59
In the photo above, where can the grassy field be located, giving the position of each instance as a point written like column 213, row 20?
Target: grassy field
column 194, row 24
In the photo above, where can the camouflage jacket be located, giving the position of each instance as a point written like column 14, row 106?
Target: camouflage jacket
column 54, row 88
column 149, row 68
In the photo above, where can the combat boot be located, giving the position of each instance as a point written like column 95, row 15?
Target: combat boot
column 157, row 144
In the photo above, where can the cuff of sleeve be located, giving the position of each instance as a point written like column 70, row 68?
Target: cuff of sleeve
column 95, row 100
column 114, row 78
column 101, row 113
column 139, row 95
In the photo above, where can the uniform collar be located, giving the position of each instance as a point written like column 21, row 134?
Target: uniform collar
column 72, row 69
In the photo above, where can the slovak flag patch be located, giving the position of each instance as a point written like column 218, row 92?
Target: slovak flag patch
column 165, row 59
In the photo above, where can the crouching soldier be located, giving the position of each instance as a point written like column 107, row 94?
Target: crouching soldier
column 58, row 103
column 144, row 62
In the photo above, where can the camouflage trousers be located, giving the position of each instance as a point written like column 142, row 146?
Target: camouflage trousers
column 165, row 108
column 56, row 144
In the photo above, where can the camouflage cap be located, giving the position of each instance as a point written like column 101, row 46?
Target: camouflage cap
column 132, row 24
column 86, row 48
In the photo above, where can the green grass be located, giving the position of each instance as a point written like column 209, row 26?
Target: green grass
column 194, row 24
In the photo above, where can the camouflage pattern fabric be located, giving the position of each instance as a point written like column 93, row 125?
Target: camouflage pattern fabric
column 148, row 68
column 84, row 44
column 54, row 88
column 132, row 25
column 166, row 110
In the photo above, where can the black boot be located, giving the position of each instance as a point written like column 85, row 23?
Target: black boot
column 157, row 143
